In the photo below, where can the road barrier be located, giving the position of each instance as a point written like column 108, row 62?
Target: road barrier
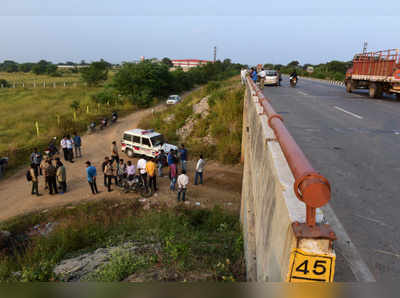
column 330, row 82
column 285, row 240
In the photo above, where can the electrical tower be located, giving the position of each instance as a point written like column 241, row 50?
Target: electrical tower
column 365, row 47
column 215, row 54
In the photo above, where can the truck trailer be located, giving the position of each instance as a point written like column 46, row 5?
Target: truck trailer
column 377, row 71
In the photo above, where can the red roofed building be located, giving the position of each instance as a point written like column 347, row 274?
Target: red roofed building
column 189, row 63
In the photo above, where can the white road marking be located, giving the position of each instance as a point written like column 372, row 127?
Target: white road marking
column 388, row 253
column 349, row 113
column 348, row 250
column 371, row 219
column 303, row 93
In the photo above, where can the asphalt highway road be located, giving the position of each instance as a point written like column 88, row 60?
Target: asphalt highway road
column 354, row 141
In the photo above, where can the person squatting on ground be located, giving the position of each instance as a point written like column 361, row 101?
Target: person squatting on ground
column 130, row 170
column 183, row 157
column 61, row 176
column 91, row 177
column 121, row 171
column 77, row 145
column 114, row 153
column 151, row 172
column 172, row 176
column 141, row 166
column 199, row 170
column 34, row 180
column 110, row 174
column 183, row 181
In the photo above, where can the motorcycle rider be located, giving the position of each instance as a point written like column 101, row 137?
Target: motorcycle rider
column 293, row 75
column 114, row 117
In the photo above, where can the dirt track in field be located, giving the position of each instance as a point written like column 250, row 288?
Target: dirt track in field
column 222, row 184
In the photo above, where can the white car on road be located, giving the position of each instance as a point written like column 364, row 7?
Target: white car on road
column 271, row 78
column 137, row 142
column 173, row 99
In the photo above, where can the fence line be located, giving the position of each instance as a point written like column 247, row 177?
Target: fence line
column 44, row 84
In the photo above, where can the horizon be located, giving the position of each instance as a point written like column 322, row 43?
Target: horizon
column 311, row 33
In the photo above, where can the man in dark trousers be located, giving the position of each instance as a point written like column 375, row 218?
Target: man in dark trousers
column 103, row 166
column 63, row 144
column 91, row 177
column 52, row 178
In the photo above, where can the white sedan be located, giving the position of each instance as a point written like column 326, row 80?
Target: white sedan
column 271, row 77
column 173, row 99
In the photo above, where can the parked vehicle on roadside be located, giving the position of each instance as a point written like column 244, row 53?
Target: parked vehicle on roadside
column 271, row 78
column 141, row 142
column 173, row 99
column 379, row 72
column 136, row 185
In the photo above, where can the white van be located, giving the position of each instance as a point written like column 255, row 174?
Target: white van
column 137, row 142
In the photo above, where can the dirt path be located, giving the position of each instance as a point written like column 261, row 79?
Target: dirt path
column 222, row 183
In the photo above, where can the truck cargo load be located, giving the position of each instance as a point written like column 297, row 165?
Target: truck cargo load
column 377, row 71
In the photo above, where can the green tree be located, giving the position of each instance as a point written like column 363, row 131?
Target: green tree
column 294, row 63
column 25, row 67
column 9, row 66
column 96, row 73
column 143, row 81
column 167, row 62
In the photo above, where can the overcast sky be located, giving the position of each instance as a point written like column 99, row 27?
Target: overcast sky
column 250, row 32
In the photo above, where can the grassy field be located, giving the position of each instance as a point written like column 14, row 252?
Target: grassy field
column 29, row 78
column 192, row 241
column 51, row 109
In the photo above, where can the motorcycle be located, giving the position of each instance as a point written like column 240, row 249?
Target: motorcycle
column 135, row 184
column 293, row 81
column 114, row 117
column 51, row 149
column 91, row 128
column 103, row 123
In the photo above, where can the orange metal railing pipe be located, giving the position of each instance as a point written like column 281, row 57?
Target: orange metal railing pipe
column 310, row 187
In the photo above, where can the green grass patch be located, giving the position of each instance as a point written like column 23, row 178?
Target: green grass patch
column 190, row 240
column 223, row 124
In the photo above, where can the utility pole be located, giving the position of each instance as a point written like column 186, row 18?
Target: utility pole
column 215, row 54
column 365, row 47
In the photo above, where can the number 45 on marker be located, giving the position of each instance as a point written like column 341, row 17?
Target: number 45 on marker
column 308, row 267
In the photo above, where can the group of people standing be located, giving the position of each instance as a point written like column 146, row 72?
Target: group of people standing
column 54, row 173
column 68, row 145
column 51, row 167
column 257, row 76
column 115, row 170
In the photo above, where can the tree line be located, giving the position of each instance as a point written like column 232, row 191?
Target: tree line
column 145, row 82
column 333, row 70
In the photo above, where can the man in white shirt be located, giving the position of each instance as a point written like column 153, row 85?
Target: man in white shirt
column 63, row 144
column 141, row 166
column 199, row 170
column 243, row 73
column 262, row 75
column 183, row 181
column 70, row 146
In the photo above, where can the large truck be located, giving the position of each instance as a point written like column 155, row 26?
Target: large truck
column 377, row 71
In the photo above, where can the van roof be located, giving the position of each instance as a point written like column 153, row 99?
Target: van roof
column 143, row 132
